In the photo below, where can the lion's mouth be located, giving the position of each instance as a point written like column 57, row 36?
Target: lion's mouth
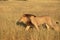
column 21, row 24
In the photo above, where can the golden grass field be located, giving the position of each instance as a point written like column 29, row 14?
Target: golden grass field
column 10, row 12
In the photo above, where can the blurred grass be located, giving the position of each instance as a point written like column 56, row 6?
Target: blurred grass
column 10, row 12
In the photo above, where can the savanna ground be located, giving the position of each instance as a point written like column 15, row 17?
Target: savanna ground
column 10, row 12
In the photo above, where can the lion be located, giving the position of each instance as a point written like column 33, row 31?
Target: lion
column 29, row 19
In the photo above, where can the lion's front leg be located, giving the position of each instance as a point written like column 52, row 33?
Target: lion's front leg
column 27, row 28
column 34, row 22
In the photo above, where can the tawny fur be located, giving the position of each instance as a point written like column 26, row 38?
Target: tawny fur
column 38, row 20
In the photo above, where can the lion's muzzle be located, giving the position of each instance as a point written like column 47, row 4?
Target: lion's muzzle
column 21, row 23
column 17, row 22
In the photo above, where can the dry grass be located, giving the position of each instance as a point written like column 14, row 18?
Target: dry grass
column 10, row 12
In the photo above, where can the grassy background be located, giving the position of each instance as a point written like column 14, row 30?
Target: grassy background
column 10, row 12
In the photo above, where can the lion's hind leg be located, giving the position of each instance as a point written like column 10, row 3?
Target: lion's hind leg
column 52, row 25
column 47, row 26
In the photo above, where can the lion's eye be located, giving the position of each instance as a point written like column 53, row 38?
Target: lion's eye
column 21, row 23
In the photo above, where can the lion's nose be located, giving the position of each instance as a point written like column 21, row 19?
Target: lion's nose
column 17, row 22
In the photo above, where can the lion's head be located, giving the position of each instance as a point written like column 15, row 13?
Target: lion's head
column 25, row 20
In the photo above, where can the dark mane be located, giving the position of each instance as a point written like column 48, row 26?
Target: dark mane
column 29, row 15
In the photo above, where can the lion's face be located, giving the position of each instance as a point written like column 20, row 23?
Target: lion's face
column 23, row 21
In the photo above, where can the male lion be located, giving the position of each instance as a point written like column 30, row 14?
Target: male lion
column 29, row 19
